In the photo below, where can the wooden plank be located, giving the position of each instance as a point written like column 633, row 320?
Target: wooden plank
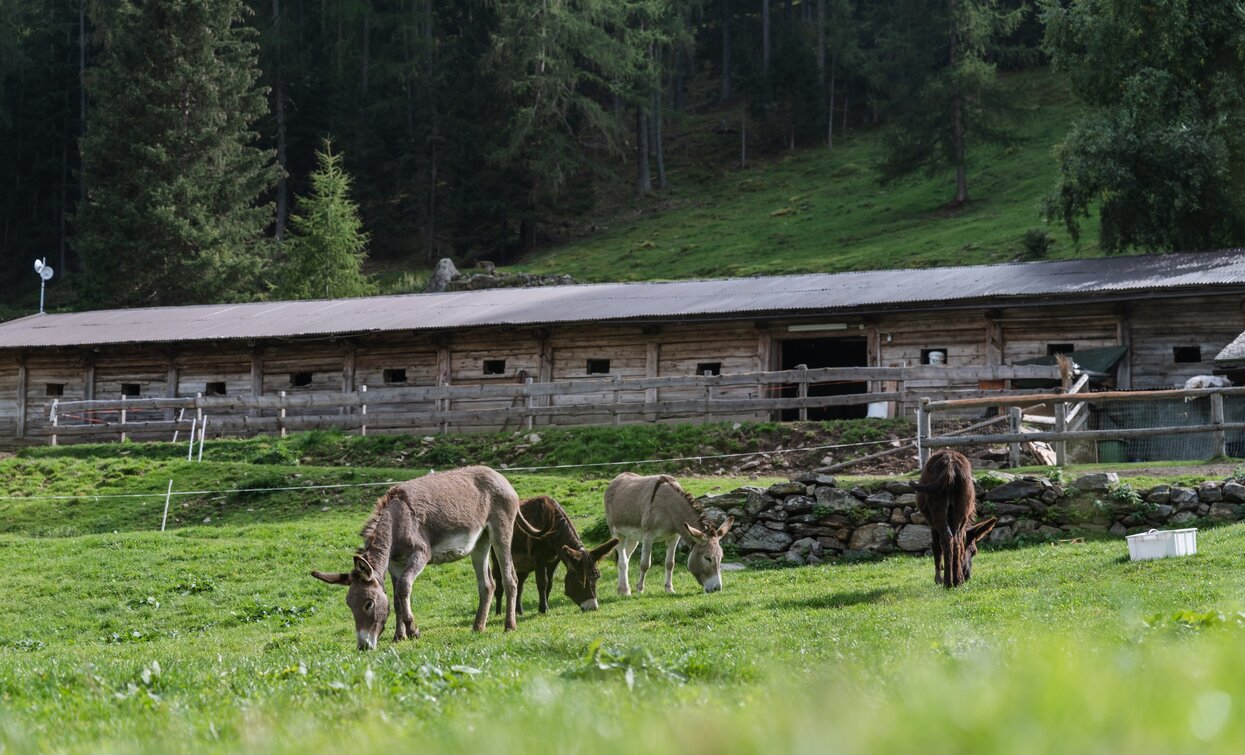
column 1138, row 432
column 1050, row 398
column 22, row 388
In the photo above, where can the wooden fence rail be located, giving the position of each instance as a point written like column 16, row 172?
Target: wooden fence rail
column 590, row 401
column 1062, row 420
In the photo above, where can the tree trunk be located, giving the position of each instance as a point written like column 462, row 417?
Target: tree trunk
column 279, row 111
column 830, row 107
column 957, row 119
column 726, row 50
column 367, row 50
column 643, row 178
column 658, row 151
column 764, row 36
column 81, row 97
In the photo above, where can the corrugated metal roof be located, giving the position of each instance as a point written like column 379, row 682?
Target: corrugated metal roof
column 631, row 301
column 1233, row 352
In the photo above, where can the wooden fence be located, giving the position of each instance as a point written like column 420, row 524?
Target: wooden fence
column 1066, row 422
column 522, row 405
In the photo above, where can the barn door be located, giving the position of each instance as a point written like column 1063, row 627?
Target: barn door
column 826, row 352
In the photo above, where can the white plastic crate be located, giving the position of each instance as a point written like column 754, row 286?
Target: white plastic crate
column 1162, row 543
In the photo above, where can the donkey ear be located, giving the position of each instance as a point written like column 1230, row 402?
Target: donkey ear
column 333, row 579
column 569, row 554
column 726, row 526
column 602, row 550
column 981, row 529
column 364, row 568
column 695, row 533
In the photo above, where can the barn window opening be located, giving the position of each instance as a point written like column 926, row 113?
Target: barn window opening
column 214, row 389
column 598, row 366
column 300, row 379
column 131, row 390
column 934, row 356
column 1187, row 354
column 395, row 375
column 1059, row 348
column 494, row 366
column 709, row 368
column 55, row 389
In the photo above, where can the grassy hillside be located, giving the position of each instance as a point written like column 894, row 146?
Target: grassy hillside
column 823, row 210
column 211, row 637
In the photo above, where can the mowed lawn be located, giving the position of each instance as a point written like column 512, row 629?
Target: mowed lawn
column 214, row 637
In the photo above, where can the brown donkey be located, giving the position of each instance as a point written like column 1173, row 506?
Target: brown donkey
column 558, row 541
column 431, row 520
column 946, row 498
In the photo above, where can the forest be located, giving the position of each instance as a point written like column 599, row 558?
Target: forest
column 182, row 151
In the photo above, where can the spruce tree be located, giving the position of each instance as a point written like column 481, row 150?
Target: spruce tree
column 327, row 243
column 173, row 212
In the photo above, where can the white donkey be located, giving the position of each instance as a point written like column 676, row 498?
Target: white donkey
column 640, row 510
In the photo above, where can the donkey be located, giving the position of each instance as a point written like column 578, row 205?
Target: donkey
column 558, row 541
column 640, row 510
column 431, row 520
column 947, row 500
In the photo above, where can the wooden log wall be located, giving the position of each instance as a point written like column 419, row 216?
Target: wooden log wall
column 970, row 337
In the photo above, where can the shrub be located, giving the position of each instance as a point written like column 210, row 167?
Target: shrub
column 1037, row 243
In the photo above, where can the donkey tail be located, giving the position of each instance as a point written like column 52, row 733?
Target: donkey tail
column 527, row 527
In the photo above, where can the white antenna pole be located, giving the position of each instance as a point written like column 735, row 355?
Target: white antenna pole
column 43, row 282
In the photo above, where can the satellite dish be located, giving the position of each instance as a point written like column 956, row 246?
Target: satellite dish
column 39, row 266
column 45, row 272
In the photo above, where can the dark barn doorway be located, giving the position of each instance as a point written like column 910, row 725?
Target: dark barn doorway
column 826, row 352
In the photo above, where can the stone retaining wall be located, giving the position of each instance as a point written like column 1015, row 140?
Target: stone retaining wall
column 811, row 519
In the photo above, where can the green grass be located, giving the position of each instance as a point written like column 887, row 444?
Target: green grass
column 819, row 210
column 211, row 637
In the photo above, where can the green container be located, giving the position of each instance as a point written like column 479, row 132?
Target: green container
column 1110, row 451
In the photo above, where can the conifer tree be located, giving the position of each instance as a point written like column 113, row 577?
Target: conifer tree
column 327, row 245
column 173, row 212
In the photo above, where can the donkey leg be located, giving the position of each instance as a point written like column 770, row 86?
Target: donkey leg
column 625, row 547
column 646, row 560
column 520, row 578
column 484, row 581
column 500, row 536
column 542, row 587
column 935, row 547
column 402, row 582
column 495, row 570
column 672, row 548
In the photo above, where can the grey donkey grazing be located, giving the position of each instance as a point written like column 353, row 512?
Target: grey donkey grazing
column 640, row 510
column 431, row 520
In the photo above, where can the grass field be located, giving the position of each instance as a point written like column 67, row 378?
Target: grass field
column 212, row 637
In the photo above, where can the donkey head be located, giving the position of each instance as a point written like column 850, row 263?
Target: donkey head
column 365, row 597
column 582, row 572
column 974, row 534
column 705, row 560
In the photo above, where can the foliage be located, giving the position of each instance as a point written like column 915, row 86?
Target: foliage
column 325, row 252
column 942, row 86
column 1161, row 155
column 173, row 212
column 1037, row 243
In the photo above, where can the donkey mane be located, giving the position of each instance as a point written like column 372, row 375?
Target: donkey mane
column 369, row 527
column 706, row 526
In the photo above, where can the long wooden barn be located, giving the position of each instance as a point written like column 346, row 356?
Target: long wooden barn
column 1171, row 314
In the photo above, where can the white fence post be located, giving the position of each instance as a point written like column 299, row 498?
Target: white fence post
column 281, row 413
column 922, row 431
column 202, row 436
column 363, row 410
column 123, row 420
column 54, row 421
column 194, row 428
column 167, row 497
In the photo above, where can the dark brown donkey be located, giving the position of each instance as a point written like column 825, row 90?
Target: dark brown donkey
column 946, row 499
column 557, row 541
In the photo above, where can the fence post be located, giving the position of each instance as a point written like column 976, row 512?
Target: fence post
column 363, row 410
column 529, row 403
column 123, row 418
column 922, row 431
column 803, row 390
column 202, row 437
column 617, row 418
column 1061, row 426
column 708, row 397
column 167, row 497
column 281, row 413
column 1216, row 418
column 1013, row 426
column 54, row 420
